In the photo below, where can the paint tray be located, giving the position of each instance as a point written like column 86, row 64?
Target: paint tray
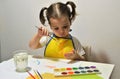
column 76, row 71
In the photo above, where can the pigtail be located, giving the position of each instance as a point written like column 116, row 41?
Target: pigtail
column 41, row 15
column 73, row 12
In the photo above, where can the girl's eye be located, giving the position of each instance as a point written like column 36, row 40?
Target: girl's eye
column 55, row 28
column 65, row 27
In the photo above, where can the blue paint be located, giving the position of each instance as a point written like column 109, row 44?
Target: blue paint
column 38, row 62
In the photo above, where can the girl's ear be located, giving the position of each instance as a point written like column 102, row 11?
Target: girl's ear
column 70, row 30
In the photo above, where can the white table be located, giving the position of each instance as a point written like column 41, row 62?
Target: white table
column 7, row 68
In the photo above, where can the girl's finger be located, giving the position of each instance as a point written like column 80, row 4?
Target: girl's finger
column 45, row 32
column 69, row 55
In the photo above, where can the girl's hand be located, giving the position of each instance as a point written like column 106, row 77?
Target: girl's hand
column 42, row 31
column 70, row 55
column 73, row 55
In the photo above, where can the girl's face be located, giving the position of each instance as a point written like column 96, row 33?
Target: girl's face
column 60, row 26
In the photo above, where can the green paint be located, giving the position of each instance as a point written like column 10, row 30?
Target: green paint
column 93, row 76
column 75, row 68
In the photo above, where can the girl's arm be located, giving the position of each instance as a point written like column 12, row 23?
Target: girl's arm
column 35, row 41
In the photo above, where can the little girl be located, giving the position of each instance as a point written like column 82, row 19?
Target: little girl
column 60, row 44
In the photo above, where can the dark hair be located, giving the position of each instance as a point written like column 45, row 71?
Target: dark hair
column 56, row 10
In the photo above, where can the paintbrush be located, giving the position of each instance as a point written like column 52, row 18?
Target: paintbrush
column 49, row 33
column 36, row 74
column 39, row 75
column 31, row 75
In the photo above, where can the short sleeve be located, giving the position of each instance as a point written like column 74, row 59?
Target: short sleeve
column 44, row 40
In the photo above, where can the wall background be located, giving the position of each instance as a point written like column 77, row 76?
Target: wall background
column 97, row 25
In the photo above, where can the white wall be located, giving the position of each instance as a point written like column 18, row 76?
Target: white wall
column 97, row 24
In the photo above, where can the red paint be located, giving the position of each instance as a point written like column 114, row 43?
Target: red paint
column 68, row 68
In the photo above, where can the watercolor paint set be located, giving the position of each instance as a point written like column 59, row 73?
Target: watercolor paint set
column 76, row 71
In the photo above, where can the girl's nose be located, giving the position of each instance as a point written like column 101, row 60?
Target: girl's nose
column 61, row 31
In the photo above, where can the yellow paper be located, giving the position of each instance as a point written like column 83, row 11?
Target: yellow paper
column 29, row 77
column 51, row 76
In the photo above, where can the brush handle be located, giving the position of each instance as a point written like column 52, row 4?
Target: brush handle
column 49, row 33
column 30, row 74
column 39, row 75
